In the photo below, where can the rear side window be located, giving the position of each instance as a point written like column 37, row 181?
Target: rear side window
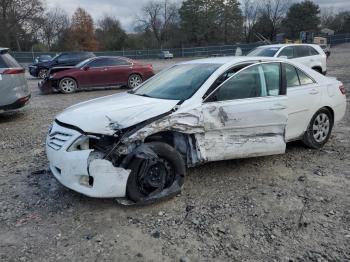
column 296, row 77
column 291, row 76
column 100, row 62
column 7, row 61
column 304, row 78
column 301, row 51
column 118, row 61
column 313, row 51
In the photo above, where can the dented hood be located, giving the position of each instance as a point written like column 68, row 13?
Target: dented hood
column 107, row 114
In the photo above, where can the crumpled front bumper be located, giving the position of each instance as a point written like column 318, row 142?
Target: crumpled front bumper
column 45, row 86
column 83, row 171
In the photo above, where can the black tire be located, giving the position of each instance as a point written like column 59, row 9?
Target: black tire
column 135, row 188
column 316, row 136
column 134, row 81
column 42, row 74
column 68, row 85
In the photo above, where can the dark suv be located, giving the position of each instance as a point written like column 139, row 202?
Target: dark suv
column 41, row 69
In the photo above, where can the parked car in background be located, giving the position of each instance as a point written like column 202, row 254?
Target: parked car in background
column 14, row 91
column 42, row 58
column 165, row 55
column 137, row 144
column 308, row 54
column 41, row 69
column 101, row 71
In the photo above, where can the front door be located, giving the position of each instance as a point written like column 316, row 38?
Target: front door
column 247, row 115
column 99, row 72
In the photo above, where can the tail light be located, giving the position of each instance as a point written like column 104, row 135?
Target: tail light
column 13, row 71
column 150, row 66
column 342, row 89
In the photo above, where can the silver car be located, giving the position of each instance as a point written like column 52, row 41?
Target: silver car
column 14, row 91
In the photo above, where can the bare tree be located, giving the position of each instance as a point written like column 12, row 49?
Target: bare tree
column 17, row 18
column 250, row 11
column 274, row 11
column 159, row 16
column 53, row 24
column 327, row 17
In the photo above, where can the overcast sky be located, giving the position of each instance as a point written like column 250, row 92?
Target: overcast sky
column 128, row 10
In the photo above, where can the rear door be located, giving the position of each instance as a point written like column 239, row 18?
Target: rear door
column 119, row 70
column 304, row 98
column 302, row 55
column 246, row 116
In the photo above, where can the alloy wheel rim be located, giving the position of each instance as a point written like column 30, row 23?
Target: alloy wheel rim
column 42, row 73
column 321, row 127
column 135, row 81
column 68, row 85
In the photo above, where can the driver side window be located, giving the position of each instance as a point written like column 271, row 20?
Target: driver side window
column 255, row 81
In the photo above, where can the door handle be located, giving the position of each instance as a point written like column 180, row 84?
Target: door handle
column 313, row 91
column 278, row 107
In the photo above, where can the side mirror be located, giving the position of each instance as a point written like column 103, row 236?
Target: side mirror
column 86, row 68
column 284, row 57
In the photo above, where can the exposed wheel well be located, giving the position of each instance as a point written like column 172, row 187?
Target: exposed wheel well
column 185, row 144
column 330, row 110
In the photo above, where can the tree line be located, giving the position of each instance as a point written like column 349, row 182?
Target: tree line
column 26, row 24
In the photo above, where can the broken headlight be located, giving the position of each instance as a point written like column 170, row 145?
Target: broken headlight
column 82, row 143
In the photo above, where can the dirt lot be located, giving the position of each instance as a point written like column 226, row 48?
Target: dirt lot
column 291, row 207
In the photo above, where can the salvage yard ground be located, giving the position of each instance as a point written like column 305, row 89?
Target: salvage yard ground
column 291, row 207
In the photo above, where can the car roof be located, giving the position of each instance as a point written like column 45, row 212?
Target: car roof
column 230, row 60
column 283, row 45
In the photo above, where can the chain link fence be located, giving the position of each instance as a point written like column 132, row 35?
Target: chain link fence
column 205, row 51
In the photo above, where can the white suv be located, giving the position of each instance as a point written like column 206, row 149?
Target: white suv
column 310, row 55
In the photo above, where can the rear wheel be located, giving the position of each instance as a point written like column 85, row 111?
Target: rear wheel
column 43, row 73
column 151, row 176
column 68, row 85
column 134, row 81
column 319, row 129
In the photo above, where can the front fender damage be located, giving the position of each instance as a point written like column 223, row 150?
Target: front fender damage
column 129, row 147
column 140, row 158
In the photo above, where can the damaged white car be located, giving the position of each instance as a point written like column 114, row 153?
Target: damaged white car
column 137, row 145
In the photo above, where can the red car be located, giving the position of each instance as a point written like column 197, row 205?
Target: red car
column 97, row 72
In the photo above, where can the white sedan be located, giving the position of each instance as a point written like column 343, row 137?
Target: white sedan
column 137, row 145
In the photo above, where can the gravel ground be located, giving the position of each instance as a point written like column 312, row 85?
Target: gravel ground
column 291, row 207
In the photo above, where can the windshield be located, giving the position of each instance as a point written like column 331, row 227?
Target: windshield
column 179, row 82
column 85, row 62
column 264, row 51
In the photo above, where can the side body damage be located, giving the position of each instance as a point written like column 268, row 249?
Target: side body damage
column 108, row 158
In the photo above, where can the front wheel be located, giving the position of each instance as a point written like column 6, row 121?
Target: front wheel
column 134, row 81
column 319, row 129
column 43, row 73
column 152, row 176
column 68, row 85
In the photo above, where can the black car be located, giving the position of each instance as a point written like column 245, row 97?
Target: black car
column 41, row 69
column 42, row 58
